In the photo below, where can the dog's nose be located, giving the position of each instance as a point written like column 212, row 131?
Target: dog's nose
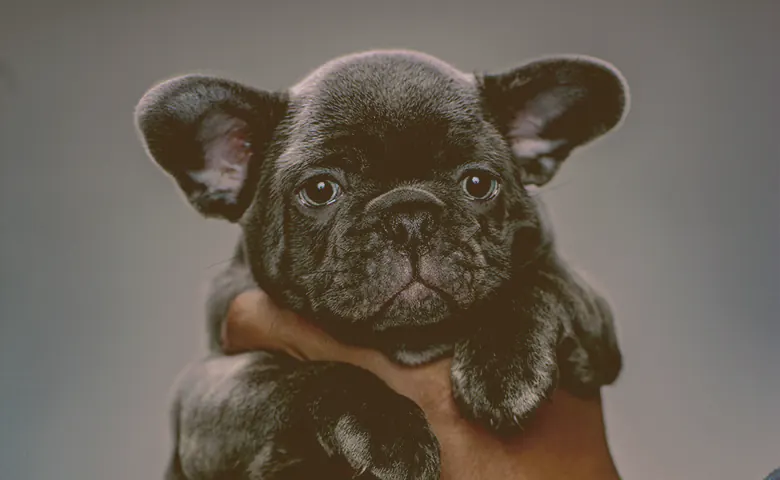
column 409, row 215
column 411, row 228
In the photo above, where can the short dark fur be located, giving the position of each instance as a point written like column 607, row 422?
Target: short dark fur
column 403, row 260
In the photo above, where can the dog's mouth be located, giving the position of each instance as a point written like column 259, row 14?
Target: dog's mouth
column 415, row 291
column 416, row 304
column 418, row 322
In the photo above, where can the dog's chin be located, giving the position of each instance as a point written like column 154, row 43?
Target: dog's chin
column 416, row 325
column 415, row 305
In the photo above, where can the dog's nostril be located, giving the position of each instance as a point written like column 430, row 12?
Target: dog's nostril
column 410, row 228
column 399, row 232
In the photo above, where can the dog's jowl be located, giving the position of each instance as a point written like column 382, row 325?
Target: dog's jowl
column 384, row 198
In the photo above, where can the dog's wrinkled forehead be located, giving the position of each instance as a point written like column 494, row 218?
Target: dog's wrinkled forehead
column 386, row 104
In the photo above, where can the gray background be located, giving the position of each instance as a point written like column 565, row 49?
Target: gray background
column 677, row 216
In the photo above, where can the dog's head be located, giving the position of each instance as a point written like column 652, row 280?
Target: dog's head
column 387, row 190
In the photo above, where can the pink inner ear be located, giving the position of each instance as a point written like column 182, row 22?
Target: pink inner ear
column 226, row 151
column 524, row 136
column 531, row 120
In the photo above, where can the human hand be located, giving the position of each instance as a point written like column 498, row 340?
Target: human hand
column 565, row 440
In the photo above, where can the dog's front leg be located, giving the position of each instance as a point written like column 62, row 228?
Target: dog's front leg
column 552, row 326
column 508, row 366
column 263, row 416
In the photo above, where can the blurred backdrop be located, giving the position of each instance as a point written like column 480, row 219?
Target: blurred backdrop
column 677, row 215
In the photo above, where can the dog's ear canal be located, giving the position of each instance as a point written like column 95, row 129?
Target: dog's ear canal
column 549, row 107
column 210, row 135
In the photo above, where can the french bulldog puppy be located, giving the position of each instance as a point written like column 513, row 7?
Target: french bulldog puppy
column 385, row 198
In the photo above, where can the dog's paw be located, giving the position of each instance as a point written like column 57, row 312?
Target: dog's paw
column 593, row 360
column 364, row 427
column 502, row 392
column 586, row 367
column 387, row 447
column 387, row 440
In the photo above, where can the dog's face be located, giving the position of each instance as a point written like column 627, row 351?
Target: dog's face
column 387, row 190
column 396, row 192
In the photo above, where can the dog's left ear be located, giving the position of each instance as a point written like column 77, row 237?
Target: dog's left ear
column 210, row 134
column 549, row 107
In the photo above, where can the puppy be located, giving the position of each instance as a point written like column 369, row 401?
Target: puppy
column 385, row 197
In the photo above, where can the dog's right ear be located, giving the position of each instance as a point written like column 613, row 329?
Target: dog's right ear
column 210, row 135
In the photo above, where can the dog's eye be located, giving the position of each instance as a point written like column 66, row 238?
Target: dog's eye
column 480, row 185
column 319, row 192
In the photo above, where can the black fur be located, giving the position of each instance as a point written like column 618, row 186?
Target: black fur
column 402, row 257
